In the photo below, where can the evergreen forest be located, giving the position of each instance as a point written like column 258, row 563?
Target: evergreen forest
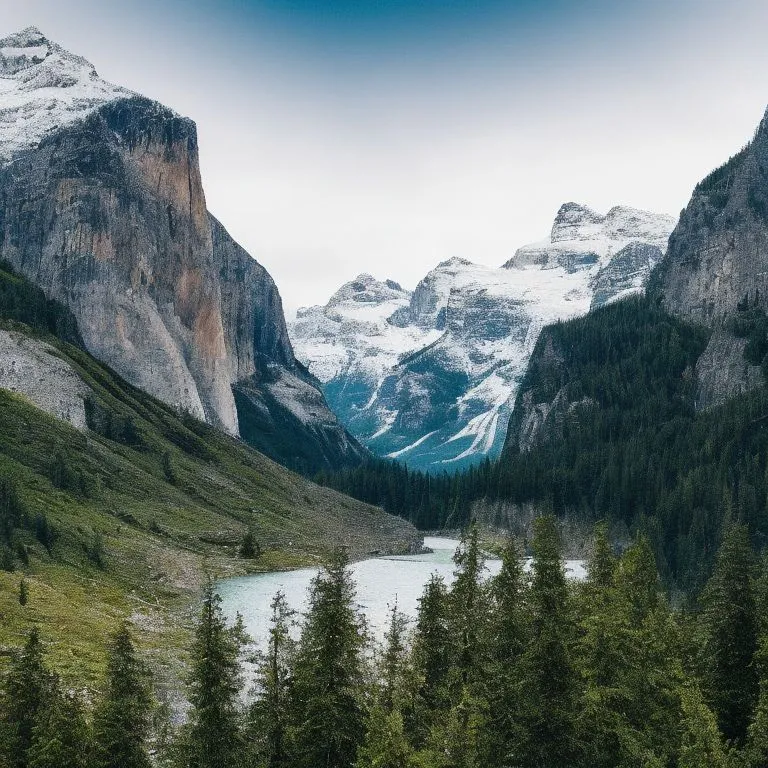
column 521, row 670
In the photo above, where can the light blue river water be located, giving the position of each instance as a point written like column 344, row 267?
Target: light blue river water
column 379, row 582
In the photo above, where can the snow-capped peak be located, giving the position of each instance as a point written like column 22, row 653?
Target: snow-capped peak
column 44, row 87
column 584, row 239
column 576, row 222
column 366, row 289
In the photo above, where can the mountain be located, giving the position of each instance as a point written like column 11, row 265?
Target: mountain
column 430, row 376
column 716, row 272
column 103, row 208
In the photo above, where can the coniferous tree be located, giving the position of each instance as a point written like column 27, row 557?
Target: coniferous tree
column 432, row 656
column 268, row 724
column 23, row 593
column 602, row 563
column 393, row 662
column 61, row 737
column 25, row 694
column 756, row 750
column 550, row 677
column 385, row 744
column 701, row 743
column 507, row 639
column 468, row 607
column 730, row 629
column 329, row 673
column 122, row 719
column 212, row 737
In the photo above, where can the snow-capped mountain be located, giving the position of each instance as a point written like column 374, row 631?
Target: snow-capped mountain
column 430, row 377
column 44, row 88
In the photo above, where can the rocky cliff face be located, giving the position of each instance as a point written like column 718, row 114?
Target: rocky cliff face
column 103, row 207
column 430, row 377
column 717, row 261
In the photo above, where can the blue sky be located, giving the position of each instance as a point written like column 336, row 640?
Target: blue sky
column 383, row 137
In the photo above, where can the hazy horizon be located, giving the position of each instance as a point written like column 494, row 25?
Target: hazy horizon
column 383, row 137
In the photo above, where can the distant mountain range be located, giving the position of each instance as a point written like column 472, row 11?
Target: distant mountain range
column 430, row 376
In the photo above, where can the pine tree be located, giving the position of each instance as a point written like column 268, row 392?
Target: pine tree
column 394, row 660
column 507, row 639
column 602, row 564
column 756, row 750
column 550, row 678
column 61, row 738
column 700, row 744
column 25, row 693
column 385, row 744
column 730, row 629
column 269, row 714
column 329, row 672
column 638, row 580
column 23, row 593
column 121, row 722
column 212, row 737
column 249, row 548
column 432, row 656
column 468, row 606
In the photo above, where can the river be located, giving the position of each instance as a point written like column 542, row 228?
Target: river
column 379, row 581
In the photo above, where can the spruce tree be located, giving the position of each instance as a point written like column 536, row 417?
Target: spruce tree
column 212, row 737
column 61, row 737
column 121, row 722
column 700, row 743
column 385, row 744
column 468, row 607
column 602, row 563
column 507, row 639
column 268, row 722
column 329, row 672
column 23, row 593
column 756, row 750
column 25, row 693
column 549, row 689
column 394, row 660
column 730, row 629
column 432, row 656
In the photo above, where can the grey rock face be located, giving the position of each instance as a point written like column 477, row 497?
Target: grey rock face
column 626, row 273
column 32, row 369
column 717, row 258
column 108, row 216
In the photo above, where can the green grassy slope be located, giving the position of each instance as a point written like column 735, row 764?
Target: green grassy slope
column 141, row 506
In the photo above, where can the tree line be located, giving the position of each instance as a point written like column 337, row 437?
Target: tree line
column 521, row 670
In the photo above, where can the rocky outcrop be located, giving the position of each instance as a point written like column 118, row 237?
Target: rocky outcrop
column 626, row 273
column 34, row 370
column 718, row 260
column 105, row 211
column 108, row 216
